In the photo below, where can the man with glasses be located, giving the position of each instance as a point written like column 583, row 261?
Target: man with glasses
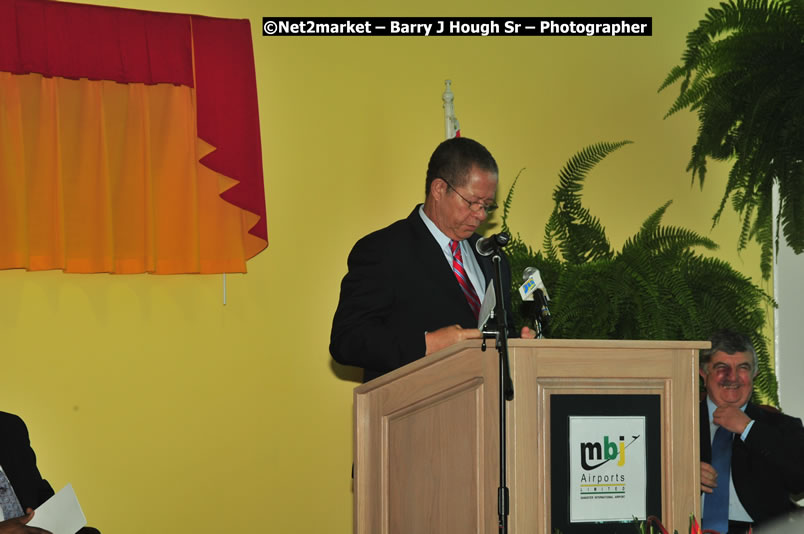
column 415, row 287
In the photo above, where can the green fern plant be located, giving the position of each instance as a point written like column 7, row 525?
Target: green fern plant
column 657, row 287
column 743, row 72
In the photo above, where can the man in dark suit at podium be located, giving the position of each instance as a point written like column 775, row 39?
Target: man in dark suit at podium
column 752, row 458
column 415, row 287
column 22, row 487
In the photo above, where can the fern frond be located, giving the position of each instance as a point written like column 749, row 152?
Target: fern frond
column 658, row 286
column 509, row 198
column 741, row 72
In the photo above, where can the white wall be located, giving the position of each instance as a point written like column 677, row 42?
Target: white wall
column 789, row 332
column 788, row 290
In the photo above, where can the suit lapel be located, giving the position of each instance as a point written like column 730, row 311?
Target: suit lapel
column 432, row 258
column 705, row 437
column 435, row 264
column 739, row 451
column 429, row 253
column 738, row 447
column 749, row 492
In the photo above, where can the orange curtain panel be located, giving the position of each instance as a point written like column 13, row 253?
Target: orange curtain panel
column 129, row 141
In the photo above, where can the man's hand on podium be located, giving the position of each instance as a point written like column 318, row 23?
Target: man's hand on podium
column 449, row 335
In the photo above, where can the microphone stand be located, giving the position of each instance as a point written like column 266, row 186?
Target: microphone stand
column 542, row 319
column 531, row 309
column 506, row 385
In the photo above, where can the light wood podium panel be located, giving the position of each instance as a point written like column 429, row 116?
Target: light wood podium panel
column 427, row 435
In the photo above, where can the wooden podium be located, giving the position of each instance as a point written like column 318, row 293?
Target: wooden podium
column 427, row 435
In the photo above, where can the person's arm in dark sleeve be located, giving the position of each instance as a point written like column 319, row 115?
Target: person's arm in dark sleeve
column 33, row 489
column 362, row 331
column 781, row 445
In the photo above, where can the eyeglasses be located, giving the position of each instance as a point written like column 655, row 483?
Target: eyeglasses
column 474, row 206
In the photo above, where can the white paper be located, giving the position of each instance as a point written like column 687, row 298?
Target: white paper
column 487, row 307
column 60, row 514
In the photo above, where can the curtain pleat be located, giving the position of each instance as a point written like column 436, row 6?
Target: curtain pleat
column 95, row 42
column 122, row 189
column 105, row 117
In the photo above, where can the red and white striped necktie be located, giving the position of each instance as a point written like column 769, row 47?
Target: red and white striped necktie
column 463, row 279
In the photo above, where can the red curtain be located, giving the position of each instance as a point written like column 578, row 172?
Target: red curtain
column 100, row 177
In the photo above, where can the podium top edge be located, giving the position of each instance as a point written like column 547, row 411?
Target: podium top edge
column 610, row 343
column 515, row 343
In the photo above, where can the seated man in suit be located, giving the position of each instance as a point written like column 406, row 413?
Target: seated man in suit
column 22, row 488
column 415, row 287
column 752, row 459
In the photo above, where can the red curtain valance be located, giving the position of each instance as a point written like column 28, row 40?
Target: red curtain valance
column 214, row 56
column 94, row 42
column 228, row 118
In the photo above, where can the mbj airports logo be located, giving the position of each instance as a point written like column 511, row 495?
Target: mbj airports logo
column 603, row 453
column 607, row 468
column 597, row 454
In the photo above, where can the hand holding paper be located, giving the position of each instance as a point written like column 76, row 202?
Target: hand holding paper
column 61, row 514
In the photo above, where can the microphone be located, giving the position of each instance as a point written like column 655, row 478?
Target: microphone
column 533, row 290
column 486, row 246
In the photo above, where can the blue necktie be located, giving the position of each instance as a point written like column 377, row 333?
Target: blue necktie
column 8, row 499
column 716, row 510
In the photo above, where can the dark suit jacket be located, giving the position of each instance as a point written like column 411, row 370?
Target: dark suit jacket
column 398, row 287
column 769, row 466
column 19, row 462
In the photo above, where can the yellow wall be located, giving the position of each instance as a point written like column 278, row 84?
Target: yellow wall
column 172, row 413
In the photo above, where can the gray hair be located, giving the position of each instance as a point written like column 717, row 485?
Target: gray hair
column 730, row 342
